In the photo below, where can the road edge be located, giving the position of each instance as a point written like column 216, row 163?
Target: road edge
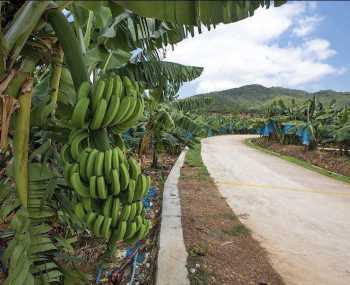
column 248, row 142
column 172, row 255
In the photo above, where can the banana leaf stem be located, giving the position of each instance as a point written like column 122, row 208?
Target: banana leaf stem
column 21, row 142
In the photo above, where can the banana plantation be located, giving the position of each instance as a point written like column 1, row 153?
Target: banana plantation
column 87, row 100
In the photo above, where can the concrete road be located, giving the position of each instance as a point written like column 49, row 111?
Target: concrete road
column 300, row 217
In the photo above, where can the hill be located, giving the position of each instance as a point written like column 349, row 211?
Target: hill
column 250, row 98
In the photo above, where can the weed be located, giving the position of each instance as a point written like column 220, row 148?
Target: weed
column 238, row 230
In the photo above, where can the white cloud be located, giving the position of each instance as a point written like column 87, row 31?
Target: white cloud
column 249, row 52
column 306, row 25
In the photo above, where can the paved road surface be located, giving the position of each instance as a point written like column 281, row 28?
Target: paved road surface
column 300, row 217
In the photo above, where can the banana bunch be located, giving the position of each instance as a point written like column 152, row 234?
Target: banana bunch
column 109, row 186
column 113, row 102
column 110, row 190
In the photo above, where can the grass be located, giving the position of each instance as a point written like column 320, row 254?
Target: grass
column 300, row 162
column 238, row 230
column 194, row 159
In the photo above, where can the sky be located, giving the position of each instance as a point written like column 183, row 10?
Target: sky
column 301, row 45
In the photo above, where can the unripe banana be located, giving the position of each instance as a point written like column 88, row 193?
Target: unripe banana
column 112, row 110
column 93, row 187
column 107, row 167
column 82, row 165
column 131, row 191
column 101, row 188
column 109, row 90
column 90, row 219
column 130, row 230
column 118, row 86
column 65, row 154
column 80, row 112
column 97, row 94
column 121, row 230
column 99, row 164
column 76, row 145
column 133, row 210
column 115, row 182
column 98, row 225
column 123, row 109
column 78, row 185
column 79, row 211
column 134, row 169
column 124, row 176
column 99, row 115
column 115, row 211
column 87, row 203
column 129, row 113
column 90, row 164
column 125, row 212
column 115, row 159
column 84, row 90
column 106, row 228
column 107, row 208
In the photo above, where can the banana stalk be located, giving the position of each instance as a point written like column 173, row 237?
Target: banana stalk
column 55, row 77
column 71, row 47
column 21, row 141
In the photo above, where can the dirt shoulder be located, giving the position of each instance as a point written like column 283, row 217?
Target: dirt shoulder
column 330, row 161
column 221, row 249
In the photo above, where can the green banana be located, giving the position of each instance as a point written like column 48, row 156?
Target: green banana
column 109, row 91
column 124, row 176
column 74, row 168
column 97, row 94
column 78, row 185
column 115, row 211
column 130, row 230
column 131, row 191
column 66, row 172
column 134, row 169
column 82, row 165
column 107, row 168
column 118, row 86
column 101, row 188
column 133, row 210
column 99, row 163
column 147, row 223
column 122, row 111
column 87, row 203
column 75, row 146
column 65, row 154
column 121, row 230
column 133, row 119
column 125, row 212
column 97, row 225
column 139, row 188
column 112, row 110
column 115, row 182
column 115, row 159
column 106, row 228
column 130, row 111
column 90, row 219
column 139, row 207
column 90, row 164
column 84, row 90
column 79, row 211
column 99, row 115
column 139, row 221
column 73, row 133
column 93, row 186
column 80, row 112
column 107, row 208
